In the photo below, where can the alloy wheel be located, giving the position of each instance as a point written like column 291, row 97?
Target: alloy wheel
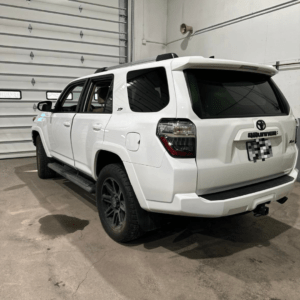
column 114, row 203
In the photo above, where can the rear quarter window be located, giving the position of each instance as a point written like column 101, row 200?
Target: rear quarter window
column 148, row 90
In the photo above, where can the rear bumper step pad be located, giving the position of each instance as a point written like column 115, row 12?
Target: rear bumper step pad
column 249, row 189
column 71, row 174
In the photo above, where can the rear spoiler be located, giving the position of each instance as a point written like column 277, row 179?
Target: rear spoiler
column 199, row 62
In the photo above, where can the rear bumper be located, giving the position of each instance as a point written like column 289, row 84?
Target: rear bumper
column 193, row 205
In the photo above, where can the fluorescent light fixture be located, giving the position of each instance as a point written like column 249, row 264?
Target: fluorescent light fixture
column 6, row 94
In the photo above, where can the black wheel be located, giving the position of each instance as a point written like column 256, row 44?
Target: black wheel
column 117, row 204
column 42, row 161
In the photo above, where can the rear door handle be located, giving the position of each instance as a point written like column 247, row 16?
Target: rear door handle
column 67, row 124
column 97, row 127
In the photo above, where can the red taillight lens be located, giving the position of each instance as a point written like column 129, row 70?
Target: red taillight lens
column 178, row 137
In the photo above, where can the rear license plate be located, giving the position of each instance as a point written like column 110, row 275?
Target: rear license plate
column 259, row 149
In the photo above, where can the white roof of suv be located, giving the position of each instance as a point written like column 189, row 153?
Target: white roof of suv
column 188, row 62
column 223, row 64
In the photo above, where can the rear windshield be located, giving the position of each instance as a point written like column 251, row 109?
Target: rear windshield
column 227, row 94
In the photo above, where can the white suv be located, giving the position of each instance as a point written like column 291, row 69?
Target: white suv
column 187, row 136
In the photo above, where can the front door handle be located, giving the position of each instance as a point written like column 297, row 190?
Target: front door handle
column 67, row 124
column 97, row 127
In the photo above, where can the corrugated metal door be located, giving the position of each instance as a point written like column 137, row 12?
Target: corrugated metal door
column 45, row 44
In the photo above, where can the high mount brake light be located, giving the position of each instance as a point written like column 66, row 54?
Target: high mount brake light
column 178, row 137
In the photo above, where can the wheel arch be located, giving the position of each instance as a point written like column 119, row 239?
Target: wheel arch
column 104, row 158
column 109, row 157
column 34, row 135
column 35, row 132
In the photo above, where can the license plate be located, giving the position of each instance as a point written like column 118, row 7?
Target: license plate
column 259, row 149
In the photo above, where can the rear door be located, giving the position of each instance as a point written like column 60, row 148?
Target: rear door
column 89, row 123
column 245, row 131
column 61, row 122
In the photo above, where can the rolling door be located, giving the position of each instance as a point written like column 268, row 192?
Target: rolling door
column 43, row 46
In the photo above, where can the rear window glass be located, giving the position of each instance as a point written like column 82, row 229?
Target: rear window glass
column 221, row 94
column 148, row 90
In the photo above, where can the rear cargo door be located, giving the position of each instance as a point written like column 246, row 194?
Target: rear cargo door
column 245, row 132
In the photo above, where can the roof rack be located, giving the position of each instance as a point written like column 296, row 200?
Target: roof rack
column 138, row 62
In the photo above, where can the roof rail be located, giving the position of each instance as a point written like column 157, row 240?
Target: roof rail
column 139, row 62
column 166, row 56
column 101, row 70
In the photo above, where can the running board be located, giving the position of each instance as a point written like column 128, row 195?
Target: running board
column 72, row 175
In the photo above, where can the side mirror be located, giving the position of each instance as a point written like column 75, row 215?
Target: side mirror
column 44, row 106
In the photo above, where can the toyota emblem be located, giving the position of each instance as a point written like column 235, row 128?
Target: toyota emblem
column 261, row 125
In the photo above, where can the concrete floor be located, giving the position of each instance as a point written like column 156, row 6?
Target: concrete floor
column 52, row 246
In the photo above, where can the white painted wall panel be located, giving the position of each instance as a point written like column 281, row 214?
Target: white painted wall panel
column 150, row 27
column 273, row 35
column 289, row 81
column 21, row 121
column 31, row 68
column 58, row 47
column 13, row 135
column 54, row 47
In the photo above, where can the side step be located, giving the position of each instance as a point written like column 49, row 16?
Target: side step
column 71, row 174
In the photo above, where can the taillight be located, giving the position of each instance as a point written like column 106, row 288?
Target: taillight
column 178, row 137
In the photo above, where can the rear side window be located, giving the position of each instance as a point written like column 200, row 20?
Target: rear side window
column 100, row 97
column 228, row 94
column 148, row 90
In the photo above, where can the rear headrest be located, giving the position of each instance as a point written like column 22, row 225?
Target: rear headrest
column 102, row 92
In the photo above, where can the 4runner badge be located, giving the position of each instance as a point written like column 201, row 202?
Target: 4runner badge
column 261, row 134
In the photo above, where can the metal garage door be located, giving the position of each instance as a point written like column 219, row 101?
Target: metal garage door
column 44, row 44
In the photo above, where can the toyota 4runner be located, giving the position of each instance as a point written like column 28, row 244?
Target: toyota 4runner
column 187, row 136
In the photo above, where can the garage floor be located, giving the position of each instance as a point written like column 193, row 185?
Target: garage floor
column 52, row 246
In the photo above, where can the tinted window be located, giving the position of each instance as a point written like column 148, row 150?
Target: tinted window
column 70, row 106
column 100, row 96
column 148, row 90
column 218, row 93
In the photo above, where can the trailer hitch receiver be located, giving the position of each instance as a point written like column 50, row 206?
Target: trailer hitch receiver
column 261, row 210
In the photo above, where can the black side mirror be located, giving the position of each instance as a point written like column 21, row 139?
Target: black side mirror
column 45, row 106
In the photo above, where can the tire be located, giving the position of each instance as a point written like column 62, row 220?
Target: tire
column 42, row 161
column 117, row 204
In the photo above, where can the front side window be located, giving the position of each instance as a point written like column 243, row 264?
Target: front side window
column 74, row 92
column 100, row 97
column 226, row 94
column 148, row 90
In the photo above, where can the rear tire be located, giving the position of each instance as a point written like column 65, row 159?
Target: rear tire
column 42, row 161
column 117, row 204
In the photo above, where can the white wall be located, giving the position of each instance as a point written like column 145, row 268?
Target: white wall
column 271, row 37
column 268, row 38
column 150, row 25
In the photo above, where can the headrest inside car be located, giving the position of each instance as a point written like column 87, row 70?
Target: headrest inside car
column 102, row 93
